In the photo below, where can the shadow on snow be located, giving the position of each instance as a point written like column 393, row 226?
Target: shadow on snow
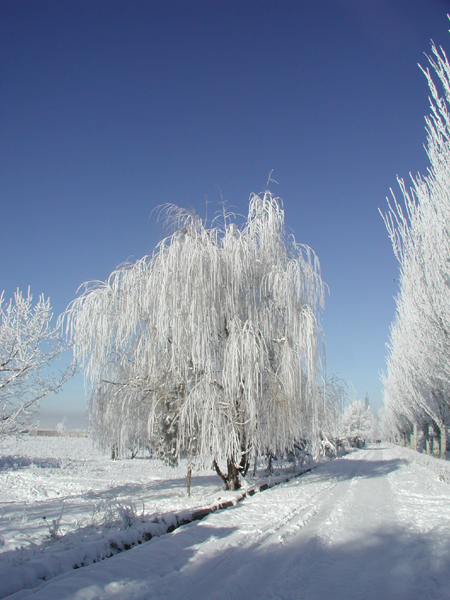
column 397, row 565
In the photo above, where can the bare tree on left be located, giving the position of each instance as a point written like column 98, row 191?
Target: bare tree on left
column 28, row 344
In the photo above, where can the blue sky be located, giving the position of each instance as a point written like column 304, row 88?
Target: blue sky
column 110, row 108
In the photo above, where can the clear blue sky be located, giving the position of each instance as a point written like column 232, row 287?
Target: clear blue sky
column 111, row 108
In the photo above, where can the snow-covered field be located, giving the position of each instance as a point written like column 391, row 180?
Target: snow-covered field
column 64, row 504
column 68, row 480
column 374, row 524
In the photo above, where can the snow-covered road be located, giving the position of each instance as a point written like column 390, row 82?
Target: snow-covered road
column 371, row 525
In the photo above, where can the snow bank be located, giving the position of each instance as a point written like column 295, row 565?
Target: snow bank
column 417, row 459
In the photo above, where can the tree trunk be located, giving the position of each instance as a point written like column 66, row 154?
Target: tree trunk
column 231, row 480
column 414, row 437
column 426, row 437
column 244, row 464
column 408, row 437
column 254, row 464
column 436, row 449
column 443, row 440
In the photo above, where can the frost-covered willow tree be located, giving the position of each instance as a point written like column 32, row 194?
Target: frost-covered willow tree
column 215, row 338
column 417, row 384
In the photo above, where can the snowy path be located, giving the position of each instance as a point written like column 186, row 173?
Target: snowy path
column 369, row 526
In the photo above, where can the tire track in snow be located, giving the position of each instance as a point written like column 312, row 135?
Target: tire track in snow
column 225, row 566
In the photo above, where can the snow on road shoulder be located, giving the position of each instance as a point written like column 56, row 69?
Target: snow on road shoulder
column 340, row 531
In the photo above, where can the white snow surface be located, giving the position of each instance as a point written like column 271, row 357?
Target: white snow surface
column 68, row 478
column 374, row 524
column 64, row 505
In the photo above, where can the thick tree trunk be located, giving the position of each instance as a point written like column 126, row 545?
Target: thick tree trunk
column 232, row 480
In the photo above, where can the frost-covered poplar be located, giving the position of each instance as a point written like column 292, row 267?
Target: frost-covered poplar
column 217, row 334
column 417, row 383
column 28, row 344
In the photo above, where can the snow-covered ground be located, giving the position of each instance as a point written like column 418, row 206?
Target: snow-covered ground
column 66, row 479
column 374, row 524
column 63, row 504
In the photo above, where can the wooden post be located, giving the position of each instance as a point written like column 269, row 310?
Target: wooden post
column 188, row 481
column 115, row 451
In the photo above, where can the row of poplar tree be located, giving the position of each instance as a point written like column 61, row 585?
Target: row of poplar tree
column 417, row 382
